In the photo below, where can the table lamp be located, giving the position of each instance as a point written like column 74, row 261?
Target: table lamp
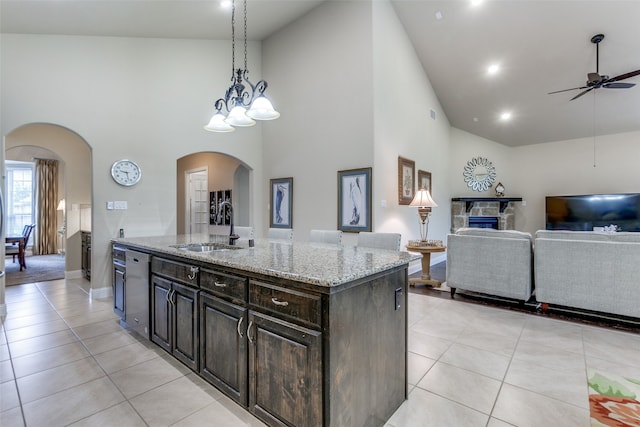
column 424, row 202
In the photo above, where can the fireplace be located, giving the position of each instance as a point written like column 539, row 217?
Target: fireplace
column 483, row 222
column 489, row 212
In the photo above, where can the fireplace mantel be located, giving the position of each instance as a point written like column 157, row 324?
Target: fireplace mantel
column 504, row 201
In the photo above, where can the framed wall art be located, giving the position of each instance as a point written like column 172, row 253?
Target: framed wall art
column 424, row 181
column 406, row 180
column 354, row 200
column 281, row 203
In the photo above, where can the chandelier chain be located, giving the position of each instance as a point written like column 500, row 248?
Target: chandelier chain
column 245, row 36
column 233, row 38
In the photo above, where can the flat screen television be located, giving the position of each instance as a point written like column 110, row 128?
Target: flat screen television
column 583, row 213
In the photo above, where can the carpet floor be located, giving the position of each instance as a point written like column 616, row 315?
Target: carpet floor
column 40, row 268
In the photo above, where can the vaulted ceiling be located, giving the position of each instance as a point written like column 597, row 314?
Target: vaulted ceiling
column 540, row 46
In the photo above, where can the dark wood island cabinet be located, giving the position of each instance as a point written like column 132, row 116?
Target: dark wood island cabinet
column 293, row 349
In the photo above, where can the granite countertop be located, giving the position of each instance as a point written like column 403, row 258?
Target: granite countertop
column 315, row 263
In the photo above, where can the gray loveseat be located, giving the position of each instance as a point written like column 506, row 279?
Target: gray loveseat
column 589, row 270
column 495, row 262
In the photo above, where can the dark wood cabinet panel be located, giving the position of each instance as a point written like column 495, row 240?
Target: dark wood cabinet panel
column 296, row 306
column 285, row 372
column 160, row 312
column 173, row 270
column 224, row 284
column 85, row 258
column 223, row 346
column 185, row 343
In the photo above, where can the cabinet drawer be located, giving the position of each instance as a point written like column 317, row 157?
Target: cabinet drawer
column 175, row 270
column 287, row 303
column 224, row 284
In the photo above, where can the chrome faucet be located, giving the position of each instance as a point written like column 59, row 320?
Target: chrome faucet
column 232, row 235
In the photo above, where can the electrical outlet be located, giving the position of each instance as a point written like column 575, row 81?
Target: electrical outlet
column 398, row 298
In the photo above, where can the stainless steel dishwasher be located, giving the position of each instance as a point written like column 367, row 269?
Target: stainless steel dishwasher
column 136, row 308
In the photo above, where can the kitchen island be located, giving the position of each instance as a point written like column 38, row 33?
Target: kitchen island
column 300, row 334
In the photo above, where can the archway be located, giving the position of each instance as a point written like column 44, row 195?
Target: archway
column 43, row 140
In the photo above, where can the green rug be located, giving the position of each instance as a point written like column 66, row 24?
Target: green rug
column 613, row 400
column 40, row 268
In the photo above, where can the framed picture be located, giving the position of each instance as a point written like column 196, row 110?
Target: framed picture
column 424, row 181
column 354, row 200
column 406, row 180
column 216, row 217
column 281, row 203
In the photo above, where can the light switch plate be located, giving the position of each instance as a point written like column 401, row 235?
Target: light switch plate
column 109, row 206
column 120, row 204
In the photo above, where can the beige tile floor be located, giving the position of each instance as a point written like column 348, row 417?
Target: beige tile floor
column 65, row 360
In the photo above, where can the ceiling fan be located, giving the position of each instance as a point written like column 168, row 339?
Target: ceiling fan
column 596, row 81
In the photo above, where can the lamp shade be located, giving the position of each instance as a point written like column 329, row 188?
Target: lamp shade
column 423, row 199
column 61, row 205
column 217, row 124
column 238, row 117
column 261, row 109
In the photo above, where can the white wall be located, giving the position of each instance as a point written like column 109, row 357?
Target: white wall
column 319, row 74
column 403, row 100
column 142, row 99
column 556, row 168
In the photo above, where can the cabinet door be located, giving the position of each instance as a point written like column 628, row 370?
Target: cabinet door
column 160, row 312
column 185, row 325
column 223, row 346
column 118, row 289
column 285, row 372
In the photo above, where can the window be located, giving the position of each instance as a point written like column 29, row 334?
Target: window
column 20, row 196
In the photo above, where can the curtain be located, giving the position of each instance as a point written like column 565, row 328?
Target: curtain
column 45, row 241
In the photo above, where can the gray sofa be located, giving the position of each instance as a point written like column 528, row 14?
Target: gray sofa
column 495, row 262
column 589, row 270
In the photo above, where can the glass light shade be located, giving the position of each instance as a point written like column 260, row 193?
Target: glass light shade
column 238, row 117
column 423, row 199
column 217, row 124
column 61, row 205
column 261, row 109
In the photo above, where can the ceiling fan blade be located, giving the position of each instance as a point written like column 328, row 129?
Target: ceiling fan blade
column 618, row 85
column 623, row 76
column 566, row 90
column 582, row 93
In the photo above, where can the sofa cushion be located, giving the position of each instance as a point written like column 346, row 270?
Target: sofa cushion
column 573, row 235
column 490, row 232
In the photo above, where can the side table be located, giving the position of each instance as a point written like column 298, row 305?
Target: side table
column 426, row 252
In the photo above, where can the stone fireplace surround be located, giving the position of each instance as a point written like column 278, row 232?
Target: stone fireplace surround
column 500, row 207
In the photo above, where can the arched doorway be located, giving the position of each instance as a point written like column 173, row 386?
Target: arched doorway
column 225, row 176
column 50, row 141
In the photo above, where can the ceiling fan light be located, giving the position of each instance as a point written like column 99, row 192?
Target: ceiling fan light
column 217, row 124
column 238, row 117
column 262, row 109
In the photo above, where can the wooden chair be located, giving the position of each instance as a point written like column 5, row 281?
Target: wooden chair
column 14, row 249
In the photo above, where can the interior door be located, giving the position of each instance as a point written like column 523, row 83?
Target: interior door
column 197, row 202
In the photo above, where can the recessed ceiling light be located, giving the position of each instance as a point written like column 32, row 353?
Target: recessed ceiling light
column 439, row 15
column 475, row 119
column 505, row 116
column 493, row 68
column 476, row 2
column 225, row 4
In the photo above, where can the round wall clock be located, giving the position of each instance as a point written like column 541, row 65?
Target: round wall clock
column 125, row 172
column 479, row 174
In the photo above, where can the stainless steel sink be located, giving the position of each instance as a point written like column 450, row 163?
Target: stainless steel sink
column 206, row 247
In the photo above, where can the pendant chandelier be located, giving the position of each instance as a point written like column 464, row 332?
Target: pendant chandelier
column 242, row 94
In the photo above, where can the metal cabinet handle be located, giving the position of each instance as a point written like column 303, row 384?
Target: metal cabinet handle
column 238, row 328
column 171, row 295
column 249, row 331
column 277, row 302
column 194, row 273
column 220, row 284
